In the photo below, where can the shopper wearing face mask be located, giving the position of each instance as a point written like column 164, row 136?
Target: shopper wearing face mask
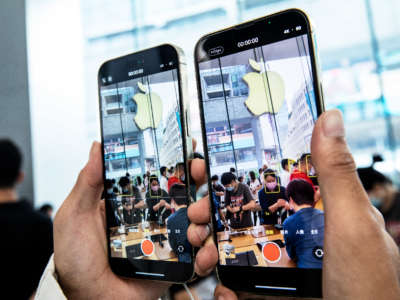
column 239, row 202
column 179, row 175
column 273, row 200
column 385, row 197
column 157, row 201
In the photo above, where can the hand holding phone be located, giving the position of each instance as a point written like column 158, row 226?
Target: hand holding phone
column 341, row 265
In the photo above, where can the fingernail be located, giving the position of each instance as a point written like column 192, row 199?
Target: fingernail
column 204, row 232
column 332, row 125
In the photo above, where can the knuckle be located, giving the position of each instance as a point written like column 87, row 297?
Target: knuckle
column 340, row 161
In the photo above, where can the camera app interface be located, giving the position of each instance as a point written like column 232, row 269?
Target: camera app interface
column 144, row 167
column 260, row 109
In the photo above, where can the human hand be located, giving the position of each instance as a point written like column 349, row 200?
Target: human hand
column 356, row 245
column 80, row 244
column 281, row 203
column 162, row 202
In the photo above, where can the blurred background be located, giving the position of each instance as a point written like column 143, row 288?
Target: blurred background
column 51, row 51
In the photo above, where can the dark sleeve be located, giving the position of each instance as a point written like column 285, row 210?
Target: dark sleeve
column 261, row 198
column 283, row 193
column 149, row 203
column 289, row 240
column 247, row 194
column 44, row 234
column 165, row 196
column 227, row 198
column 172, row 234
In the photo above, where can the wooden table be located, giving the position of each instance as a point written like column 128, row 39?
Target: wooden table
column 246, row 239
column 135, row 234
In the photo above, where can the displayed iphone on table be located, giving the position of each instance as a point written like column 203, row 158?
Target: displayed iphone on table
column 146, row 147
column 260, row 97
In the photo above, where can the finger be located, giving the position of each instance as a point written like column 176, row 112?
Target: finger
column 199, row 212
column 197, row 234
column 223, row 293
column 335, row 165
column 194, row 144
column 206, row 258
column 89, row 185
column 198, row 171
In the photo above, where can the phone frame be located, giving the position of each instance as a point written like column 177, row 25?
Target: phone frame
column 159, row 270
column 293, row 282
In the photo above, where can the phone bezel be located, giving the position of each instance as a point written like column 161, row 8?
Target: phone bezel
column 174, row 272
column 308, row 282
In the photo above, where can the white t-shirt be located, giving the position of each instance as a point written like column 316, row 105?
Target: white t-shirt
column 253, row 188
column 285, row 178
column 164, row 183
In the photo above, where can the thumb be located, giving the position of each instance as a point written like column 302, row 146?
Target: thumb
column 89, row 186
column 340, row 186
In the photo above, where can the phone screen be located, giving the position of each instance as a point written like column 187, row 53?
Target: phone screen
column 259, row 107
column 144, row 161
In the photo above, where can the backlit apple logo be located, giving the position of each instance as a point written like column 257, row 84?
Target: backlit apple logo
column 149, row 108
column 262, row 99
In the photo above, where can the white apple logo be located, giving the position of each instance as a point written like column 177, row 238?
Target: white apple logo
column 149, row 108
column 262, row 99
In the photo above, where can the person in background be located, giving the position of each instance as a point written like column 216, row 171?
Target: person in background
column 157, row 201
column 146, row 180
column 178, row 223
column 304, row 168
column 129, row 215
column 217, row 188
column 27, row 235
column 255, row 185
column 141, row 187
column 232, row 170
column 111, row 196
column 261, row 175
column 285, row 174
column 265, row 167
column 47, row 210
column 241, row 179
column 163, row 178
column 171, row 172
column 304, row 230
column 238, row 201
column 385, row 197
column 272, row 199
column 131, row 193
column 179, row 175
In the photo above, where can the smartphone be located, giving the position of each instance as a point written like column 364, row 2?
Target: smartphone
column 146, row 148
column 259, row 97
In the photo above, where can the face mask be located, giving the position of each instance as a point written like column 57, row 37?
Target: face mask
column 155, row 188
column 110, row 191
column 271, row 185
column 229, row 188
column 183, row 177
column 125, row 191
column 375, row 201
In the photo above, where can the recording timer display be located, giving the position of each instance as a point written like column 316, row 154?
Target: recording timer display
column 248, row 42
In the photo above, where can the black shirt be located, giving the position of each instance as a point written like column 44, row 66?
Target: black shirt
column 153, row 198
column 26, row 246
column 392, row 219
column 269, row 198
column 238, row 198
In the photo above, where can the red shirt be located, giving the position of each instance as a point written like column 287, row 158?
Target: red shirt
column 172, row 180
column 301, row 175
